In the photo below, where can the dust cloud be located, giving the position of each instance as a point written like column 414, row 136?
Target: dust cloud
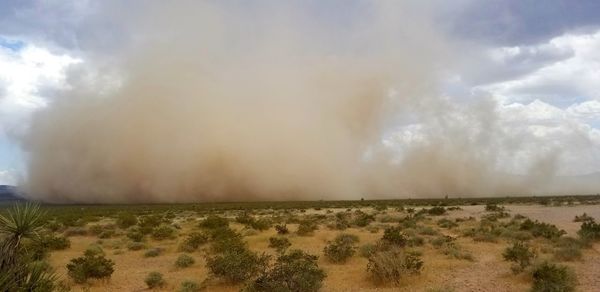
column 214, row 103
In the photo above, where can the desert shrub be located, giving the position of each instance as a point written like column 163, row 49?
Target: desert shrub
column 236, row 265
column 446, row 223
column 518, row 235
column 107, row 234
column 245, row 219
column 549, row 277
column 295, row 271
column 362, row 219
column 281, row 229
column 153, row 252
column 541, row 229
column 135, row 246
column 519, row 253
column 91, row 265
column 52, row 242
column 279, row 243
column 441, row 241
column 390, row 266
column 306, row 227
column 261, row 224
column 226, row 239
column 96, row 229
column 494, row 208
column 589, row 230
column 437, row 211
column 163, row 232
column 213, row 222
column 341, row 248
column 190, row 286
column 583, row 218
column 453, row 250
column 193, row 241
column 184, row 261
column 135, row 234
column 53, row 225
column 147, row 223
column 126, row 220
column 394, row 235
column 367, row 250
column 154, row 280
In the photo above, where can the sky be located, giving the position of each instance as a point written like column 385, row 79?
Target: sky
column 539, row 65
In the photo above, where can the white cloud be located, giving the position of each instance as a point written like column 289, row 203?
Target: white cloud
column 571, row 78
column 24, row 74
column 8, row 177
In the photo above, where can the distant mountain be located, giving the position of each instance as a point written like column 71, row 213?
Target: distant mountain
column 9, row 193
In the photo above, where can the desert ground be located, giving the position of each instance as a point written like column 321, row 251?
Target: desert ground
column 471, row 259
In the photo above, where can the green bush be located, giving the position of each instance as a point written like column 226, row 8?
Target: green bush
column 280, row 244
column 193, row 241
column 437, row 211
column 306, row 227
column 135, row 234
column 154, row 280
column 589, row 230
column 394, row 235
column 540, row 229
column 341, row 248
column 190, row 286
column 91, row 265
column 214, row 222
column 390, row 266
column 236, row 265
column 553, row 278
column 295, row 271
column 163, row 232
column 126, row 220
column 184, row 261
column 521, row 254
column 362, row 219
column 226, row 239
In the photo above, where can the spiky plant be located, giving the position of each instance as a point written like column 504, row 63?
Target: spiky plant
column 21, row 222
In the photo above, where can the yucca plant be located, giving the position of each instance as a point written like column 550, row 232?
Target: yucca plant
column 17, row 272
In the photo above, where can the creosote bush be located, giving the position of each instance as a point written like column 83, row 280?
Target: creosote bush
column 184, row 261
column 126, row 220
column 541, row 229
column 163, row 232
column 193, row 241
column 153, row 252
column 213, row 222
column 92, row 265
column 154, row 280
column 294, row 271
column 519, row 253
column 393, row 235
column 306, row 227
column 589, row 230
column 390, row 266
column 341, row 248
column 280, row 244
column 549, row 277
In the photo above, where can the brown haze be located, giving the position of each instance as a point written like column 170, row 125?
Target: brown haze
column 211, row 107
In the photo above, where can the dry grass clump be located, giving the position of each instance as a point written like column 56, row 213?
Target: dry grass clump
column 341, row 248
column 389, row 267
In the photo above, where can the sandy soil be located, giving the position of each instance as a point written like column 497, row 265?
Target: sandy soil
column 487, row 273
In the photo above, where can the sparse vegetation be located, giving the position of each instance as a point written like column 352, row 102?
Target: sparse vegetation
column 294, row 271
column 341, row 248
column 392, row 265
column 280, row 244
column 521, row 254
column 93, row 264
column 549, row 277
column 184, row 261
column 154, row 280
